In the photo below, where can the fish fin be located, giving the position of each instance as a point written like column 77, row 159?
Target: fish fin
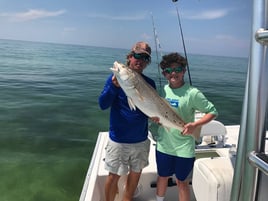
column 196, row 133
column 139, row 95
column 167, row 129
column 131, row 104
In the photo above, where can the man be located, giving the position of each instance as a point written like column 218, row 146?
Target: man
column 128, row 147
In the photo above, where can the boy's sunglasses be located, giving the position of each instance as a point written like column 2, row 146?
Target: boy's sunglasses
column 143, row 57
column 170, row 70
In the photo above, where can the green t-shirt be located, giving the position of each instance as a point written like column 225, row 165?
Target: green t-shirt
column 185, row 100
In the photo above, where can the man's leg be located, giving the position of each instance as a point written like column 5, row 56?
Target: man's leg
column 131, row 185
column 111, row 187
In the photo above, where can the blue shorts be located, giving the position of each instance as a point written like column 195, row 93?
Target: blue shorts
column 167, row 165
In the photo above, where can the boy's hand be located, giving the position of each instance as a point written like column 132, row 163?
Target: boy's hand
column 188, row 128
column 155, row 119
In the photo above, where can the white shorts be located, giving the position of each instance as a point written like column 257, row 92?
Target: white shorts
column 122, row 157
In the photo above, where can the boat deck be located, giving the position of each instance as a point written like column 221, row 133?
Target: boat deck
column 94, row 187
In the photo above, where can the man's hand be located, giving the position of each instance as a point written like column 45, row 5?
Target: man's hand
column 115, row 82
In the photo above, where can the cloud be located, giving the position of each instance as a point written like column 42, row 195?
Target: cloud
column 146, row 36
column 32, row 14
column 69, row 29
column 221, row 42
column 68, row 32
column 233, row 40
column 135, row 17
column 225, row 37
column 206, row 15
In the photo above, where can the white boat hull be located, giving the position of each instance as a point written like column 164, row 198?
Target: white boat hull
column 93, row 189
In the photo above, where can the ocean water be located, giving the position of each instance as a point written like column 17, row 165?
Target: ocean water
column 50, row 118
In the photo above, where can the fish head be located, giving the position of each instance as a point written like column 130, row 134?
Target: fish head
column 123, row 73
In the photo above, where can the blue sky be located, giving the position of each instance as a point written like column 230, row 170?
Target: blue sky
column 210, row 27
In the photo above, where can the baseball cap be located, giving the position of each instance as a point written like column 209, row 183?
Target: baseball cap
column 142, row 47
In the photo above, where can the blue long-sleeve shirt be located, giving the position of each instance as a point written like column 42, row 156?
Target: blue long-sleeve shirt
column 126, row 125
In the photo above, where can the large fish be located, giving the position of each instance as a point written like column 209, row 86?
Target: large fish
column 142, row 95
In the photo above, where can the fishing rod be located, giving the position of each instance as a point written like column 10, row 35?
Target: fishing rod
column 182, row 38
column 157, row 45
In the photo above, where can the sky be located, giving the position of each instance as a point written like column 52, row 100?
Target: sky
column 209, row 27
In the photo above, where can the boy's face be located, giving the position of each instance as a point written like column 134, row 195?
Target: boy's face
column 174, row 74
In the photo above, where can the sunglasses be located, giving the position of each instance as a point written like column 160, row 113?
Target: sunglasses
column 176, row 70
column 143, row 57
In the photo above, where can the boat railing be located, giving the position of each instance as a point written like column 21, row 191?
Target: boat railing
column 260, row 161
column 250, row 175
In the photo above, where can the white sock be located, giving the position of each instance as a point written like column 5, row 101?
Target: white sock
column 158, row 198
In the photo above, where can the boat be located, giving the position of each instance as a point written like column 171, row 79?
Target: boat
column 93, row 189
column 231, row 160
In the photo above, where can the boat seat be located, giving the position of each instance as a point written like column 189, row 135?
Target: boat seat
column 212, row 179
column 213, row 128
column 212, row 134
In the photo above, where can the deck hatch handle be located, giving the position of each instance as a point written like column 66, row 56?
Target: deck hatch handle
column 261, row 36
column 260, row 161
